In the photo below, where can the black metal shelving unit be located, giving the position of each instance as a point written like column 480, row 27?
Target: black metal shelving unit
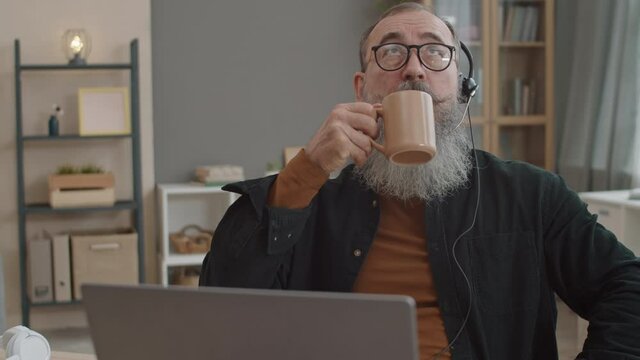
column 134, row 205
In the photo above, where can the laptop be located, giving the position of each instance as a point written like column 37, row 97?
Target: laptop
column 134, row 322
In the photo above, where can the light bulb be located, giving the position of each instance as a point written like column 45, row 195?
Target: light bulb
column 76, row 44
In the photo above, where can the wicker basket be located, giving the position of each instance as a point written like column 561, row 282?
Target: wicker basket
column 191, row 239
column 186, row 277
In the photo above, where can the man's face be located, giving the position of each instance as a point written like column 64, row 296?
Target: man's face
column 409, row 28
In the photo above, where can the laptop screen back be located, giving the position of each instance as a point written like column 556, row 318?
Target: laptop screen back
column 153, row 322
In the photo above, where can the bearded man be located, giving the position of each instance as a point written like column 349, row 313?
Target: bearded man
column 384, row 228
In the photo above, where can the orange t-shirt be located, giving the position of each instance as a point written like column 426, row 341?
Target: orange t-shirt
column 397, row 261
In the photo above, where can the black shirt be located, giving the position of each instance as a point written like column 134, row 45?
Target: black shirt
column 533, row 239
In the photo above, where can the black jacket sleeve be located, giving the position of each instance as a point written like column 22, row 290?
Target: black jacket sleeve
column 598, row 277
column 253, row 243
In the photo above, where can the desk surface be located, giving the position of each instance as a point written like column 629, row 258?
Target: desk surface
column 57, row 355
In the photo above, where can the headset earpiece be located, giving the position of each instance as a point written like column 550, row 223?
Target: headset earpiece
column 22, row 343
column 468, row 86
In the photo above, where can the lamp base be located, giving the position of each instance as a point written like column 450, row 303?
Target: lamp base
column 77, row 60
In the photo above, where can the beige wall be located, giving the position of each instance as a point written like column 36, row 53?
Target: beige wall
column 39, row 24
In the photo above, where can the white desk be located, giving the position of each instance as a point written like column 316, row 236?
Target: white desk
column 57, row 355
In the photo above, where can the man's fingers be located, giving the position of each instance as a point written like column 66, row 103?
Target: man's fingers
column 357, row 120
column 360, row 107
column 362, row 141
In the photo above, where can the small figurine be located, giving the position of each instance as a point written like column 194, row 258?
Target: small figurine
column 54, row 124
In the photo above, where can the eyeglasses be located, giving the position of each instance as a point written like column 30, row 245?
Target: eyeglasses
column 433, row 56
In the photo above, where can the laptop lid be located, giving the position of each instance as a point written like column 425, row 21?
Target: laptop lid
column 154, row 322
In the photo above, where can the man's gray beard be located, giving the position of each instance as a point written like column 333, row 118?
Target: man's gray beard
column 445, row 173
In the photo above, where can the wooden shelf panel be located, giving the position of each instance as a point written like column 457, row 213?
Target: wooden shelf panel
column 73, row 137
column 56, row 303
column 522, row 44
column 522, row 120
column 522, row 2
column 45, row 208
column 59, row 67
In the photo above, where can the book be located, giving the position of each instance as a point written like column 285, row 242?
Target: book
column 40, row 279
column 61, row 268
column 517, row 96
column 508, row 23
column 528, row 24
column 526, row 100
column 533, row 33
column 518, row 23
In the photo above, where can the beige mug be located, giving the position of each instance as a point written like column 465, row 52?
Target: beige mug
column 409, row 127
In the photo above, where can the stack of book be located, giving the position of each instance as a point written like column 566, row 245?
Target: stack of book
column 520, row 22
column 216, row 175
column 523, row 97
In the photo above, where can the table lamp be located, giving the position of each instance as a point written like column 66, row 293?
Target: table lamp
column 76, row 45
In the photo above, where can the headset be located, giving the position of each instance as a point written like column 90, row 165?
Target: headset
column 468, row 86
column 22, row 343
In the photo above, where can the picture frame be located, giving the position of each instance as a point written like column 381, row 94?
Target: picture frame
column 104, row 111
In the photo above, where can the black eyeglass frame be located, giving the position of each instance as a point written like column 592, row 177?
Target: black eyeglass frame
column 452, row 50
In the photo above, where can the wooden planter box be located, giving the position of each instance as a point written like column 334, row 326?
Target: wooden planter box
column 78, row 190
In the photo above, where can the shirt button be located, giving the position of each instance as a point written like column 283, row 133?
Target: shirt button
column 275, row 238
column 288, row 236
column 374, row 203
column 357, row 252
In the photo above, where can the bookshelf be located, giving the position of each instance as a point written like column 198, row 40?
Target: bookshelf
column 522, row 60
column 512, row 46
column 34, row 214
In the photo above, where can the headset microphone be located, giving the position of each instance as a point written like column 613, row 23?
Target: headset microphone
column 469, row 85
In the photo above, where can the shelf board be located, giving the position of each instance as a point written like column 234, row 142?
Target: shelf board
column 521, row 2
column 184, row 259
column 57, row 67
column 522, row 120
column 190, row 188
column 73, row 137
column 56, row 303
column 46, row 208
column 522, row 44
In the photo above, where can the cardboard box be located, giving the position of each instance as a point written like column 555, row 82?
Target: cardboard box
column 107, row 258
column 40, row 277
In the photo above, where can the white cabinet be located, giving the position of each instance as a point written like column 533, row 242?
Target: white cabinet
column 185, row 204
column 621, row 216
column 618, row 214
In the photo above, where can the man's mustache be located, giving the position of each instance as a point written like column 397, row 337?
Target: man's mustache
column 420, row 86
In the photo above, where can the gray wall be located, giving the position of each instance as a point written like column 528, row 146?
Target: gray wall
column 235, row 82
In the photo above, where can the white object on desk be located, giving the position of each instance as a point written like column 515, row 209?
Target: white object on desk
column 22, row 343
